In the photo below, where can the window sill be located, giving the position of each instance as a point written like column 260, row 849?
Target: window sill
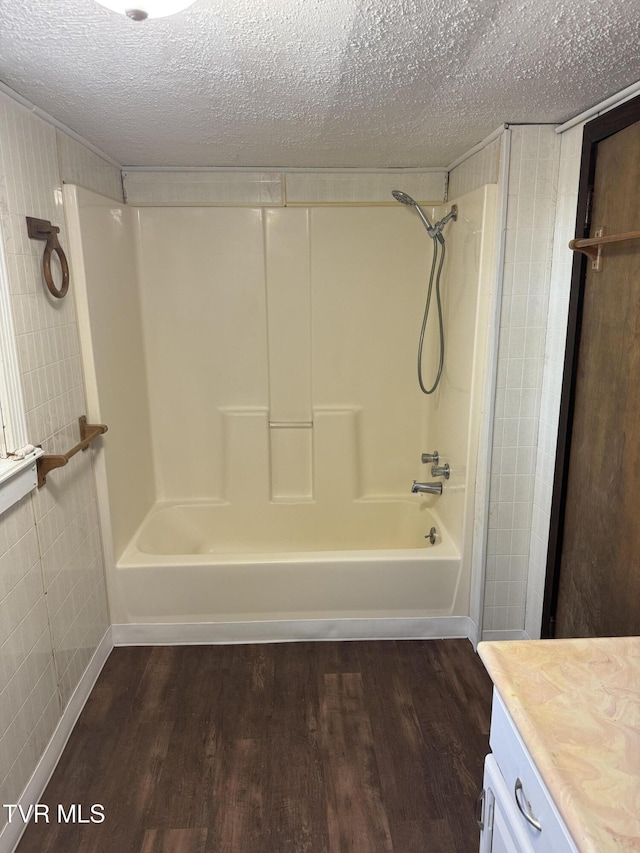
column 17, row 478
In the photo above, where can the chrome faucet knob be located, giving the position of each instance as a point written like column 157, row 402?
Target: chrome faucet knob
column 430, row 457
column 441, row 471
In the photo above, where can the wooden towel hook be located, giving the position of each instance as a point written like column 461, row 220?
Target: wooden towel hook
column 42, row 229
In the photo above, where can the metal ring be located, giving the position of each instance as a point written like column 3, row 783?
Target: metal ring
column 54, row 246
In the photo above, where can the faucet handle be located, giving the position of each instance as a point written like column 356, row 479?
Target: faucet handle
column 430, row 457
column 441, row 471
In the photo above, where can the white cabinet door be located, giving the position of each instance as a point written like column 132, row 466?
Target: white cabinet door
column 519, row 774
column 501, row 831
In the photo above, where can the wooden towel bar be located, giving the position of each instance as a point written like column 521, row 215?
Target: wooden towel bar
column 47, row 463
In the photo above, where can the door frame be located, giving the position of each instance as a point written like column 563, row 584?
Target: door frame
column 595, row 131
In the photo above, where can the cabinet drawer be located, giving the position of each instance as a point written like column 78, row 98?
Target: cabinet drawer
column 519, row 771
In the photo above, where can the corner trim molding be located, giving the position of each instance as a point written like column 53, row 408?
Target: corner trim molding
column 479, row 147
column 292, row 630
column 12, row 832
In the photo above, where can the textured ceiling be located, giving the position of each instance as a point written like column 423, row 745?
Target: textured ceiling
column 315, row 83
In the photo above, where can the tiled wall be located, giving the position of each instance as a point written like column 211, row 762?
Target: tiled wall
column 29, row 700
column 530, row 221
column 481, row 168
column 258, row 188
column 273, row 189
column 52, row 600
column 79, row 165
column 310, row 187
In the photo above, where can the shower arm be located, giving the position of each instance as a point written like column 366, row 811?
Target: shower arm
column 435, row 231
column 453, row 214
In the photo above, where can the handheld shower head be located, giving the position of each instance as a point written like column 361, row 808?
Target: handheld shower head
column 435, row 232
column 403, row 198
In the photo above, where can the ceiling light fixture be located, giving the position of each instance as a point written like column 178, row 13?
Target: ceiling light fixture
column 140, row 10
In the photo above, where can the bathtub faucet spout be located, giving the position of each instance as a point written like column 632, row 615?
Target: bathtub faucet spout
column 427, row 488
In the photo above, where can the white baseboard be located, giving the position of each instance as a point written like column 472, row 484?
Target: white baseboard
column 505, row 635
column 292, row 630
column 12, row 832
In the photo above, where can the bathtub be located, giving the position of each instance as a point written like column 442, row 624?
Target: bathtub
column 195, row 563
column 286, row 399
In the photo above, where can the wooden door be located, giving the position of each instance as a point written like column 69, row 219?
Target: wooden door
column 599, row 572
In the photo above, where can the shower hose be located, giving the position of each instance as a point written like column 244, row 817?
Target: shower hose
column 423, row 388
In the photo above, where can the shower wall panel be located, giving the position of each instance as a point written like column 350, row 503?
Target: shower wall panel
column 105, row 280
column 202, row 276
column 281, row 350
column 287, row 247
column 369, row 269
column 452, row 412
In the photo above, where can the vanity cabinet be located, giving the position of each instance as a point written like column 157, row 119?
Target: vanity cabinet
column 516, row 812
column 564, row 770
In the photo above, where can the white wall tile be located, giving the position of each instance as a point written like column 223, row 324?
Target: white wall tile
column 79, row 165
column 361, row 187
column 27, row 679
column 202, row 188
column 533, row 173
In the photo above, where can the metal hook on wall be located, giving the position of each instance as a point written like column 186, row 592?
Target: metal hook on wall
column 42, row 229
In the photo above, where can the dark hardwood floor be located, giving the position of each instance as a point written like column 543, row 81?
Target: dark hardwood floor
column 371, row 747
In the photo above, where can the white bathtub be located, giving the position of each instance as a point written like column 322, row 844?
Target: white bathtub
column 299, row 386
column 368, row 560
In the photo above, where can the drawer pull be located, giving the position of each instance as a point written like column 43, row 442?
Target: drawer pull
column 480, row 809
column 525, row 810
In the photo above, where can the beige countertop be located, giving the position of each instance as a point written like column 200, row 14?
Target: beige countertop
column 576, row 704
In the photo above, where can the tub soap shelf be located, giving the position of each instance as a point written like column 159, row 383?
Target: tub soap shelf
column 49, row 462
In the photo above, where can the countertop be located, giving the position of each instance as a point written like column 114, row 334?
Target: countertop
column 576, row 704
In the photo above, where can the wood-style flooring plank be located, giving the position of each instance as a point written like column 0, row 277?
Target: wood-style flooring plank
column 174, row 841
column 427, row 836
column 455, row 740
column 295, row 789
column 241, row 822
column 356, row 815
column 194, row 750
column 397, row 736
